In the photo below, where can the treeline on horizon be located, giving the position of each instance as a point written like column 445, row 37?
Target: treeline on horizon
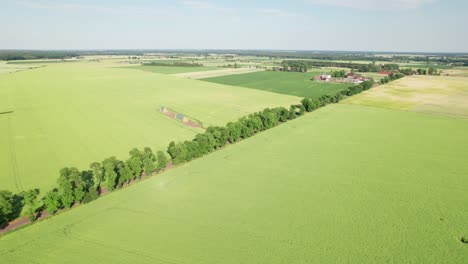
column 305, row 65
column 174, row 64
column 455, row 59
column 76, row 186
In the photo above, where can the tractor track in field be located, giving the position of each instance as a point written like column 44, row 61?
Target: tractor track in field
column 14, row 162
column 11, row 140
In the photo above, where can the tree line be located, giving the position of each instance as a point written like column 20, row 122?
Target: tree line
column 304, row 65
column 338, row 74
column 76, row 186
column 420, row 71
column 215, row 138
column 392, row 77
column 174, row 64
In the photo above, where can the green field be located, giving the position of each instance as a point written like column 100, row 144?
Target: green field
column 40, row 62
column 345, row 184
column 75, row 113
column 10, row 68
column 172, row 69
column 291, row 83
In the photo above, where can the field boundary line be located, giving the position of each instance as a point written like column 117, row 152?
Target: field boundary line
column 410, row 111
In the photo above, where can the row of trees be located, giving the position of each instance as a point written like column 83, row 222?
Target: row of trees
column 392, row 77
column 420, row 71
column 174, row 64
column 304, row 65
column 338, row 74
column 75, row 186
column 217, row 137
column 296, row 66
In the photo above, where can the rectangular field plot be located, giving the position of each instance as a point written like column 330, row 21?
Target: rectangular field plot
column 291, row 83
column 172, row 69
column 427, row 94
column 345, row 184
column 76, row 113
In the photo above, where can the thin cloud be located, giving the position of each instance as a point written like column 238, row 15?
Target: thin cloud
column 202, row 5
column 57, row 5
column 100, row 9
column 375, row 4
column 277, row 12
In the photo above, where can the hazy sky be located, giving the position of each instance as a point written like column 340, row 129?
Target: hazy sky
column 376, row 25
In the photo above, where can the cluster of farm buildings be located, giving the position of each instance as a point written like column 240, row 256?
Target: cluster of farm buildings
column 350, row 77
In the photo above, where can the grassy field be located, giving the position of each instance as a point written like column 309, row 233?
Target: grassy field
column 428, row 94
column 291, row 83
column 376, row 76
column 172, row 69
column 458, row 71
column 76, row 113
column 345, row 184
column 10, row 68
column 216, row 73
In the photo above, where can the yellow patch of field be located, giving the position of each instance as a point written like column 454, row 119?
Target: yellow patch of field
column 460, row 71
column 216, row 73
column 429, row 94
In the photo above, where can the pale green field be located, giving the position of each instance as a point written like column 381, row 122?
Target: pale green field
column 75, row 113
column 173, row 69
column 376, row 76
column 345, row 184
column 10, row 68
column 427, row 94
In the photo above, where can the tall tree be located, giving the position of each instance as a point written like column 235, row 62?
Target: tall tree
column 6, row 207
column 162, row 160
column 98, row 172
column 65, row 188
column 110, row 174
column 52, row 201
column 149, row 161
column 31, row 202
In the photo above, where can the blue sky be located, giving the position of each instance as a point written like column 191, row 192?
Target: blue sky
column 374, row 25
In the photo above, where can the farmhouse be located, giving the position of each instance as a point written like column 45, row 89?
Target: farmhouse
column 325, row 77
column 353, row 78
column 351, row 74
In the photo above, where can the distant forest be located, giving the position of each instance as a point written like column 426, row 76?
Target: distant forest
column 456, row 59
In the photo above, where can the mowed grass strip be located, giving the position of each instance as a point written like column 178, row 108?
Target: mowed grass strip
column 345, row 184
column 76, row 113
column 291, row 83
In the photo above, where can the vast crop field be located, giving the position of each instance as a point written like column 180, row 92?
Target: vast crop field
column 458, row 71
column 345, row 184
column 75, row 113
column 427, row 94
column 291, row 83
